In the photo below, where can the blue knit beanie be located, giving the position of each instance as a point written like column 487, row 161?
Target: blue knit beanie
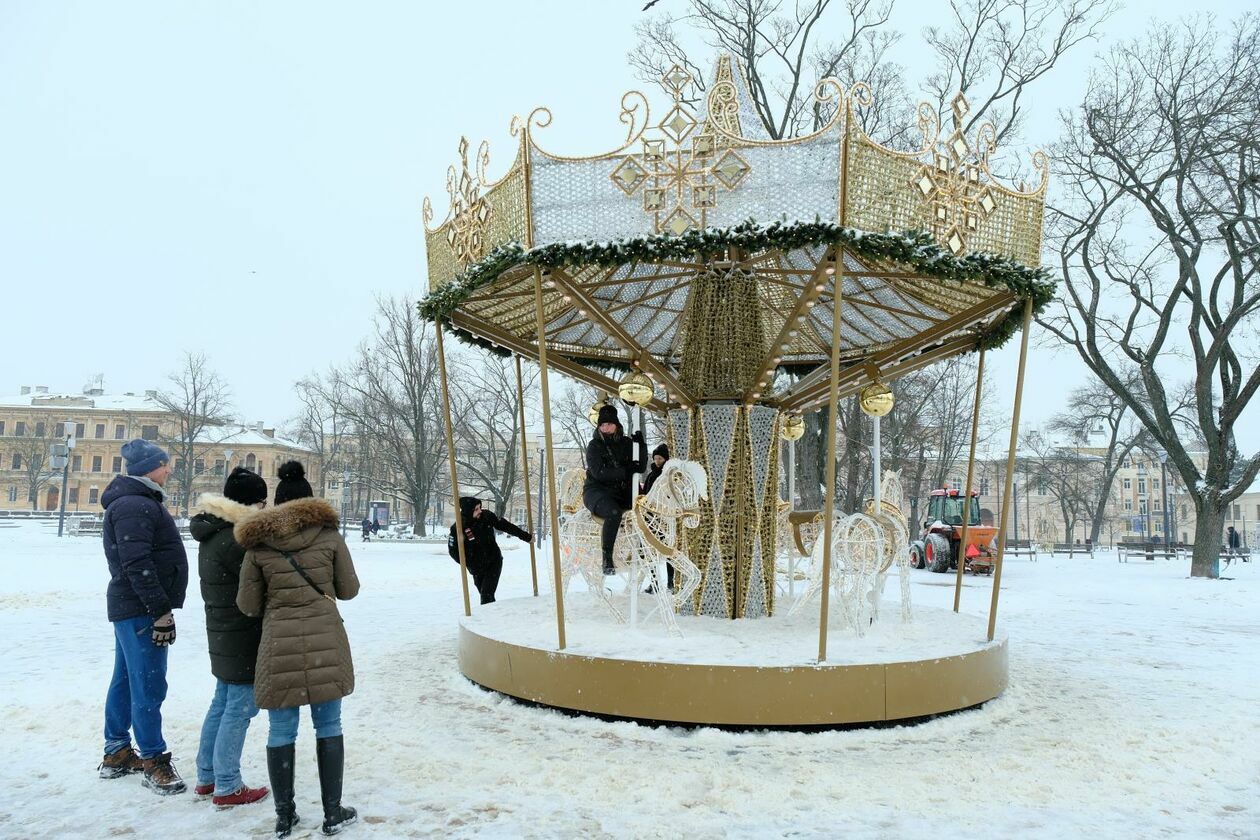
column 143, row 457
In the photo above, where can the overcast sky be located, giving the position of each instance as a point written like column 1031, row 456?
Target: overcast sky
column 240, row 179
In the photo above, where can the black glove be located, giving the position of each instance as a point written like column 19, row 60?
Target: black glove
column 164, row 631
column 637, row 436
column 528, row 537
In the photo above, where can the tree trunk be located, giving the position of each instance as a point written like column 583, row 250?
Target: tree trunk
column 1207, row 541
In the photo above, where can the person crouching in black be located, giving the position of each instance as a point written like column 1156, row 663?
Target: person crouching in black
column 481, row 552
column 659, row 456
column 610, row 466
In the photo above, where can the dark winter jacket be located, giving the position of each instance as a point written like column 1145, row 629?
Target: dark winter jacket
column 481, row 551
column 232, row 636
column 654, row 472
column 610, row 465
column 148, row 568
column 304, row 654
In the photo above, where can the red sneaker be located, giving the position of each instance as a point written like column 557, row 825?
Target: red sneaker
column 245, row 796
column 204, row 790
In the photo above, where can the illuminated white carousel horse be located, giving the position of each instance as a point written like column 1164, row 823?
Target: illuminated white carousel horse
column 865, row 546
column 650, row 536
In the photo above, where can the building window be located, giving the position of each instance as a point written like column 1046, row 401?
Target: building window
column 12, row 494
column 1142, row 485
column 17, row 462
column 1, row 428
column 80, row 431
column 1157, row 507
column 1237, row 512
column 39, row 428
column 96, row 463
column 1142, row 506
column 1041, row 487
column 120, row 432
column 1159, row 526
column 1154, row 483
column 1128, row 463
column 73, row 497
column 984, row 487
column 218, row 467
column 1128, row 504
column 100, row 431
column 1183, row 512
column 117, row 464
column 333, row 485
column 1128, row 484
column 199, row 466
column 19, row 428
column 251, row 462
column 59, row 430
column 76, row 463
column 93, row 495
column 148, row 432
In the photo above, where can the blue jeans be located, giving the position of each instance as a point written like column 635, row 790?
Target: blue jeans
column 223, row 737
column 136, row 692
column 284, row 722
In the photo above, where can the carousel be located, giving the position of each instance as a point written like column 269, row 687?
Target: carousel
column 729, row 283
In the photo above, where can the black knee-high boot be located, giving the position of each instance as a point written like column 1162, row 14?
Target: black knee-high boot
column 280, row 770
column 330, row 753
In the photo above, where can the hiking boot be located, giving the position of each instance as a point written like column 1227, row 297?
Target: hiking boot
column 244, row 795
column 204, row 790
column 161, row 777
column 609, row 568
column 120, row 763
column 330, row 755
column 280, row 772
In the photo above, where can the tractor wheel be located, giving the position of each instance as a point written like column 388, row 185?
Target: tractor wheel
column 937, row 553
column 916, row 557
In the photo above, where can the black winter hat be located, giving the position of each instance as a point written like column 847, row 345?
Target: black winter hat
column 607, row 414
column 293, row 483
column 245, row 487
column 661, row 450
column 467, row 504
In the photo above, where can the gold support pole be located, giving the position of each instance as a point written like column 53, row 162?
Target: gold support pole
column 529, row 503
column 971, row 475
column 830, row 505
column 450, row 456
column 551, row 461
column 1010, row 467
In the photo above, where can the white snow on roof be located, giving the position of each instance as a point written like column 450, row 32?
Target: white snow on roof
column 70, row 402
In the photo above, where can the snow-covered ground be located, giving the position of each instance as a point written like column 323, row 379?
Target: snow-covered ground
column 1133, row 712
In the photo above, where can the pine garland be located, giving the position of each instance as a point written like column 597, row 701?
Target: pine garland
column 915, row 250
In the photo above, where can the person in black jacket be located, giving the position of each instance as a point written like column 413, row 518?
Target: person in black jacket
column 148, row 576
column 481, row 551
column 659, row 456
column 232, row 636
column 610, row 467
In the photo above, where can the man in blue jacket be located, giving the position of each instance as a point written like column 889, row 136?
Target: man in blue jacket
column 148, row 573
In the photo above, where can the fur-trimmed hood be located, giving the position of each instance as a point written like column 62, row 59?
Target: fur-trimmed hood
column 291, row 526
column 224, row 508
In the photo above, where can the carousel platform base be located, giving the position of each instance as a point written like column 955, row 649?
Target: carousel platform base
column 736, row 674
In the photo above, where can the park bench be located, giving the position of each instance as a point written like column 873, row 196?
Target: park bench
column 1021, row 548
column 1149, row 552
column 1072, row 548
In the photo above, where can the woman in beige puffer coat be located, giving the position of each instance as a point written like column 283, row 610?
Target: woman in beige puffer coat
column 296, row 568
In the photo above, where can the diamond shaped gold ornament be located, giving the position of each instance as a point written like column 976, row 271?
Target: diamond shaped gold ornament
column 704, row 195
column 679, row 222
column 986, row 202
column 653, row 149
column 730, row 169
column 678, row 123
column 629, row 175
column 654, row 199
column 955, row 241
column 703, row 145
column 676, row 79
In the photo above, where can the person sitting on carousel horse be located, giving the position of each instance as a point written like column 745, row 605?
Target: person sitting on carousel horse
column 610, row 467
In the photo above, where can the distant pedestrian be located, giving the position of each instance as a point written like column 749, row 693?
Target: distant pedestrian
column 232, row 637
column 296, row 568
column 366, row 524
column 1233, row 540
column 148, row 575
column 481, row 550
column 610, row 466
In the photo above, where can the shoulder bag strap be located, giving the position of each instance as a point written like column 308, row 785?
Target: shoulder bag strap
column 306, row 577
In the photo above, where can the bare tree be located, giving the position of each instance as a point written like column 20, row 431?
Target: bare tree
column 1070, row 476
column 31, row 456
column 570, row 414
column 322, row 424
column 198, row 403
column 1156, row 239
column 392, row 395
column 489, row 424
column 1092, row 412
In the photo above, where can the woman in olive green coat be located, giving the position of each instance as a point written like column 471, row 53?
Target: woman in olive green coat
column 296, row 568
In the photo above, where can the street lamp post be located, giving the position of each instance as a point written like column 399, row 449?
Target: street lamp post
column 1015, row 507
column 61, row 457
column 1163, row 489
column 345, row 490
column 542, row 456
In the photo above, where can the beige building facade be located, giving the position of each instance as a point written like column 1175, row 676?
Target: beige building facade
column 99, row 423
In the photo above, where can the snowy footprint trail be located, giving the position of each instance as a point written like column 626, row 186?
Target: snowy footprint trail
column 1131, row 712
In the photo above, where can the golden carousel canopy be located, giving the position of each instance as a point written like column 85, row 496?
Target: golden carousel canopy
column 707, row 255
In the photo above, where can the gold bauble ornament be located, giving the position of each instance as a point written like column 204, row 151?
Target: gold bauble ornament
column 636, row 388
column 793, row 427
column 876, row 399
